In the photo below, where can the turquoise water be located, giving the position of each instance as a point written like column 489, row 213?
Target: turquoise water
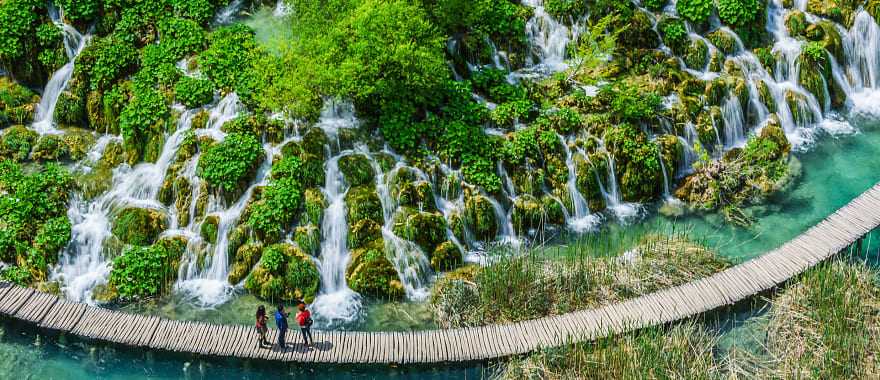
column 26, row 354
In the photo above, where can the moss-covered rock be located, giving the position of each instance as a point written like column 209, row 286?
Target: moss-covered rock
column 528, row 214
column 724, row 41
column 554, row 212
column 590, row 172
column 370, row 273
column 314, row 204
column 105, row 294
column 766, row 97
column 636, row 163
column 707, row 126
column 16, row 143
column 243, row 261
column 796, row 23
column 18, row 104
column 696, row 55
column 284, row 273
column 363, row 233
column 426, row 229
column 363, row 203
column 672, row 152
column 314, row 142
column 799, row 106
column 840, row 11
column 446, row 256
column 139, row 226
column 208, row 229
column 357, row 169
column 479, row 216
column 308, row 238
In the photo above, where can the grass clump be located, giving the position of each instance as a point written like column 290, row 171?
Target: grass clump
column 682, row 351
column 595, row 273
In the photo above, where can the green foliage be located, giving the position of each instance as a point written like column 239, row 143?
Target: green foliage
column 629, row 104
column 655, row 5
column 674, row 33
column 228, row 164
column 284, row 273
column 695, row 10
column 193, row 92
column 110, row 59
column 142, row 117
column 18, row 23
column 16, row 143
column 739, row 12
column 565, row 9
column 33, row 221
column 138, row 226
column 815, row 52
column 500, row 20
column 181, row 37
column 80, row 10
column 142, row 272
column 231, row 48
column 16, row 275
column 200, row 11
column 279, row 205
column 493, row 83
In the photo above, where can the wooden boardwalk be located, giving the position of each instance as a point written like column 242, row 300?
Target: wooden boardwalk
column 832, row 235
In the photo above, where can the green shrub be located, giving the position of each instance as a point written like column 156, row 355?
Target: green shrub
column 80, row 10
column 228, row 164
column 16, row 275
column 674, row 34
column 695, row 10
column 231, row 49
column 112, row 58
column 739, row 12
column 565, row 9
column 142, row 118
column 181, row 37
column 18, row 23
column 655, row 5
column 142, row 272
column 193, row 92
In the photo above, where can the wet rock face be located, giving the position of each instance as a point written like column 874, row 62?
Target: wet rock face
column 139, row 226
column 479, row 217
column 426, row 229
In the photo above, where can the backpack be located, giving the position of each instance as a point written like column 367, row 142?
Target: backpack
column 309, row 321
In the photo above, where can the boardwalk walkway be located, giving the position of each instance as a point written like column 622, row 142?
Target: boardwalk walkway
column 825, row 239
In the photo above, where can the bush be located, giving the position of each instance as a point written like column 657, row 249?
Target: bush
column 111, row 58
column 565, row 9
column 18, row 23
column 674, row 34
column 284, row 273
column 80, row 10
column 695, row 10
column 142, row 118
column 655, row 5
column 228, row 164
column 231, row 49
column 142, row 272
column 181, row 37
column 193, row 92
column 739, row 12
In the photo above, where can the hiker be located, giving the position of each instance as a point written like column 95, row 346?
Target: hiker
column 281, row 323
column 262, row 329
column 304, row 318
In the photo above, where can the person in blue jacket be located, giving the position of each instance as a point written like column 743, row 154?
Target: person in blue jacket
column 281, row 323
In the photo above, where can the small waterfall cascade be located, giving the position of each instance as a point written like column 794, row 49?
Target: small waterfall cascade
column 666, row 193
column 83, row 264
column 413, row 265
column 282, row 9
column 579, row 218
column 548, row 38
column 74, row 42
column 227, row 14
column 734, row 124
column 625, row 212
column 336, row 303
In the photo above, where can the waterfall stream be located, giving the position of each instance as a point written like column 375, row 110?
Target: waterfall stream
column 74, row 42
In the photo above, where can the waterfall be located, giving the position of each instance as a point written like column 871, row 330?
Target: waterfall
column 579, row 219
column 666, row 193
column 734, row 123
column 74, row 42
column 282, row 9
column 83, row 264
column 548, row 38
column 336, row 303
column 625, row 212
column 227, row 14
column 412, row 265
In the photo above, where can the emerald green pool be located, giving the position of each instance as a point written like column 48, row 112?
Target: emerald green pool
column 834, row 172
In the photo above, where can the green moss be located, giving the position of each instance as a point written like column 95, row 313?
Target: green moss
column 357, row 169
column 192, row 92
column 284, row 273
column 244, row 260
column 426, row 229
column 696, row 55
column 16, row 143
column 308, row 238
column 363, row 203
column 447, row 256
column 528, row 214
column 363, row 233
column 143, row 272
column 796, row 22
column 636, row 162
column 723, row 41
column 208, row 229
column 479, row 217
column 230, row 164
column 370, row 273
column 314, row 204
column 17, row 103
column 840, row 11
column 139, row 226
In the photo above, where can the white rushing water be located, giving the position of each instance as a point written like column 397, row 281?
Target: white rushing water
column 548, row 38
column 84, row 262
column 74, row 42
column 336, row 303
column 580, row 219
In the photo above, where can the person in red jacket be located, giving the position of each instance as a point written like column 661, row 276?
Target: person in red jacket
column 304, row 318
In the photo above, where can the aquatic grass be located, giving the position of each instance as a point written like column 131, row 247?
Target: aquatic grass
column 680, row 351
column 827, row 325
column 596, row 271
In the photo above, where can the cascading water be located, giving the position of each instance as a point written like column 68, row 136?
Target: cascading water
column 336, row 303
column 83, row 263
column 74, row 42
column 625, row 212
column 579, row 219
column 548, row 38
